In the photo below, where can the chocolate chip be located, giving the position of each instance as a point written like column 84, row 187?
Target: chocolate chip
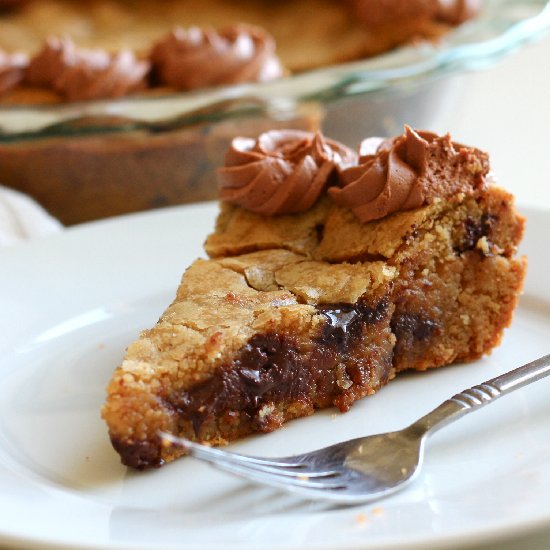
column 475, row 230
column 408, row 326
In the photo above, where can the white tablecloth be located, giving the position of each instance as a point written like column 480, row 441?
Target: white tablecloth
column 21, row 218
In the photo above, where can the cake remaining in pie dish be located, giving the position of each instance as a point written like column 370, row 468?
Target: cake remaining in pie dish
column 56, row 51
column 328, row 274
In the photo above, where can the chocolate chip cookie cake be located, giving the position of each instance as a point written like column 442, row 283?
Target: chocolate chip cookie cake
column 328, row 274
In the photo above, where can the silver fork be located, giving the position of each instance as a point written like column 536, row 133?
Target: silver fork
column 366, row 468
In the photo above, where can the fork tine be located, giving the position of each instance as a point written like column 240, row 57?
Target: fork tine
column 298, row 473
column 279, row 467
column 212, row 453
column 278, row 480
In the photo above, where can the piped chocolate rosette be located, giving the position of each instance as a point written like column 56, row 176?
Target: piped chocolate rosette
column 281, row 172
column 407, row 172
column 196, row 58
column 81, row 74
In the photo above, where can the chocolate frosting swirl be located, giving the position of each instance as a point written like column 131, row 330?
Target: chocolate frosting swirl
column 80, row 74
column 282, row 172
column 381, row 12
column 12, row 68
column 196, row 58
column 407, row 172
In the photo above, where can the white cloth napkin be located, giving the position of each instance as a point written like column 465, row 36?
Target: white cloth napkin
column 21, row 218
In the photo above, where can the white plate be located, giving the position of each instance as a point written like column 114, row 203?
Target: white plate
column 68, row 307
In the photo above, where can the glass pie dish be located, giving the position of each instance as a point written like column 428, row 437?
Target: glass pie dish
column 90, row 160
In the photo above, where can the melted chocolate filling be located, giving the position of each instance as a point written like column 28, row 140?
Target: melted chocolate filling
column 271, row 367
column 274, row 368
column 345, row 322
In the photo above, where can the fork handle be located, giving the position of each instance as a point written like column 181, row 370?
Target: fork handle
column 478, row 396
